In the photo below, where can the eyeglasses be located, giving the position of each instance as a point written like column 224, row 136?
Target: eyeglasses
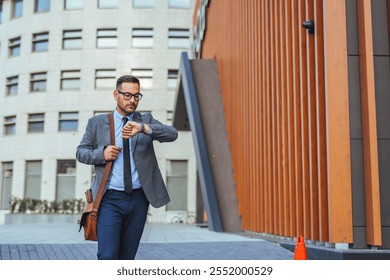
column 128, row 96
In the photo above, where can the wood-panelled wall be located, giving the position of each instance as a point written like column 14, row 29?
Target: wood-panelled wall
column 285, row 95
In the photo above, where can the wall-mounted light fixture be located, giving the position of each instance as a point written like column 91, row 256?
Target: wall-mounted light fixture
column 309, row 25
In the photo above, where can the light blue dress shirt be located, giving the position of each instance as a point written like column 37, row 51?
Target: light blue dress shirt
column 116, row 181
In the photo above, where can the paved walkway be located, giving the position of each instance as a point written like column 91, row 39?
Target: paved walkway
column 159, row 242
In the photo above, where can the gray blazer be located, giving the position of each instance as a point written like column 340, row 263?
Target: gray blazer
column 97, row 136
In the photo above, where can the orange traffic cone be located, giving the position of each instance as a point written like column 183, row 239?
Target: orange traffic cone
column 300, row 249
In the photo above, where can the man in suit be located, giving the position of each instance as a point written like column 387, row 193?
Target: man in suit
column 127, row 194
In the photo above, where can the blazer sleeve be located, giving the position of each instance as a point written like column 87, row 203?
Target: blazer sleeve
column 160, row 131
column 89, row 151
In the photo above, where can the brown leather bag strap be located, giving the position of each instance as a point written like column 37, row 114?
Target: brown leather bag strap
column 107, row 169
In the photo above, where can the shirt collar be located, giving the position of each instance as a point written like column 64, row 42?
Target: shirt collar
column 119, row 117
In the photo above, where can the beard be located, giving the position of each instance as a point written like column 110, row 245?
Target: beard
column 126, row 109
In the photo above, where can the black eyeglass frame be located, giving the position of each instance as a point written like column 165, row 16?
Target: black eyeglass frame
column 127, row 95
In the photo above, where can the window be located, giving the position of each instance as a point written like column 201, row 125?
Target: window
column 177, row 184
column 105, row 79
column 6, row 186
column 12, row 85
column 9, row 125
column 143, row 37
column 178, row 38
column 33, row 179
column 17, row 8
column 71, row 39
column 66, row 179
column 68, row 121
column 38, row 82
column 108, row 4
column 70, row 80
column 143, row 3
column 74, row 4
column 145, row 76
column 172, row 78
column 36, row 123
column 1, row 11
column 40, row 42
column 169, row 116
column 42, row 6
column 14, row 46
column 106, row 38
column 179, row 4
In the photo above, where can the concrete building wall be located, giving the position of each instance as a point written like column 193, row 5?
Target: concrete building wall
column 52, row 145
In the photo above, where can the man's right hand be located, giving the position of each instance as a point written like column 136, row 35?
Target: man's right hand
column 111, row 152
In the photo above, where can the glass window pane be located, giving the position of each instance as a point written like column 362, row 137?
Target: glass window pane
column 1, row 11
column 74, row 4
column 17, row 8
column 107, row 4
column 143, row 3
column 42, row 5
column 33, row 179
column 12, row 90
column 66, row 166
column 181, row 4
column 6, row 185
column 107, row 42
column 69, row 116
column 34, row 117
column 69, row 125
column 34, row 168
column 35, row 127
column 179, row 43
column 143, row 42
column 70, row 74
column 41, row 36
column 15, row 51
column 70, row 84
column 143, row 32
column 105, row 73
column 72, row 34
column 9, row 129
column 41, row 46
column 72, row 44
column 65, row 187
column 38, row 86
column 105, row 83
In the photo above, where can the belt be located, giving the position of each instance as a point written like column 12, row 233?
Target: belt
column 123, row 192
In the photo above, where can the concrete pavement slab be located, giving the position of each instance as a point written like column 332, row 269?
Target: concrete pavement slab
column 159, row 241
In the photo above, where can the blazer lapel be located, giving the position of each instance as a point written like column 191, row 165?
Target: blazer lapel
column 137, row 118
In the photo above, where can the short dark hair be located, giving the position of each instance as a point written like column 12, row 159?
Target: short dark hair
column 126, row 79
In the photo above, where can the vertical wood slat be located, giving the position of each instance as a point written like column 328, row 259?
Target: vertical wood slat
column 321, row 123
column 304, row 120
column 297, row 124
column 257, row 143
column 337, row 113
column 263, row 127
column 370, row 146
column 286, row 207
column 290, row 112
column 267, row 120
column 312, row 127
column 279, row 111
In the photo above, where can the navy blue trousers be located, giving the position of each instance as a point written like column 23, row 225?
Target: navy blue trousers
column 121, row 221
